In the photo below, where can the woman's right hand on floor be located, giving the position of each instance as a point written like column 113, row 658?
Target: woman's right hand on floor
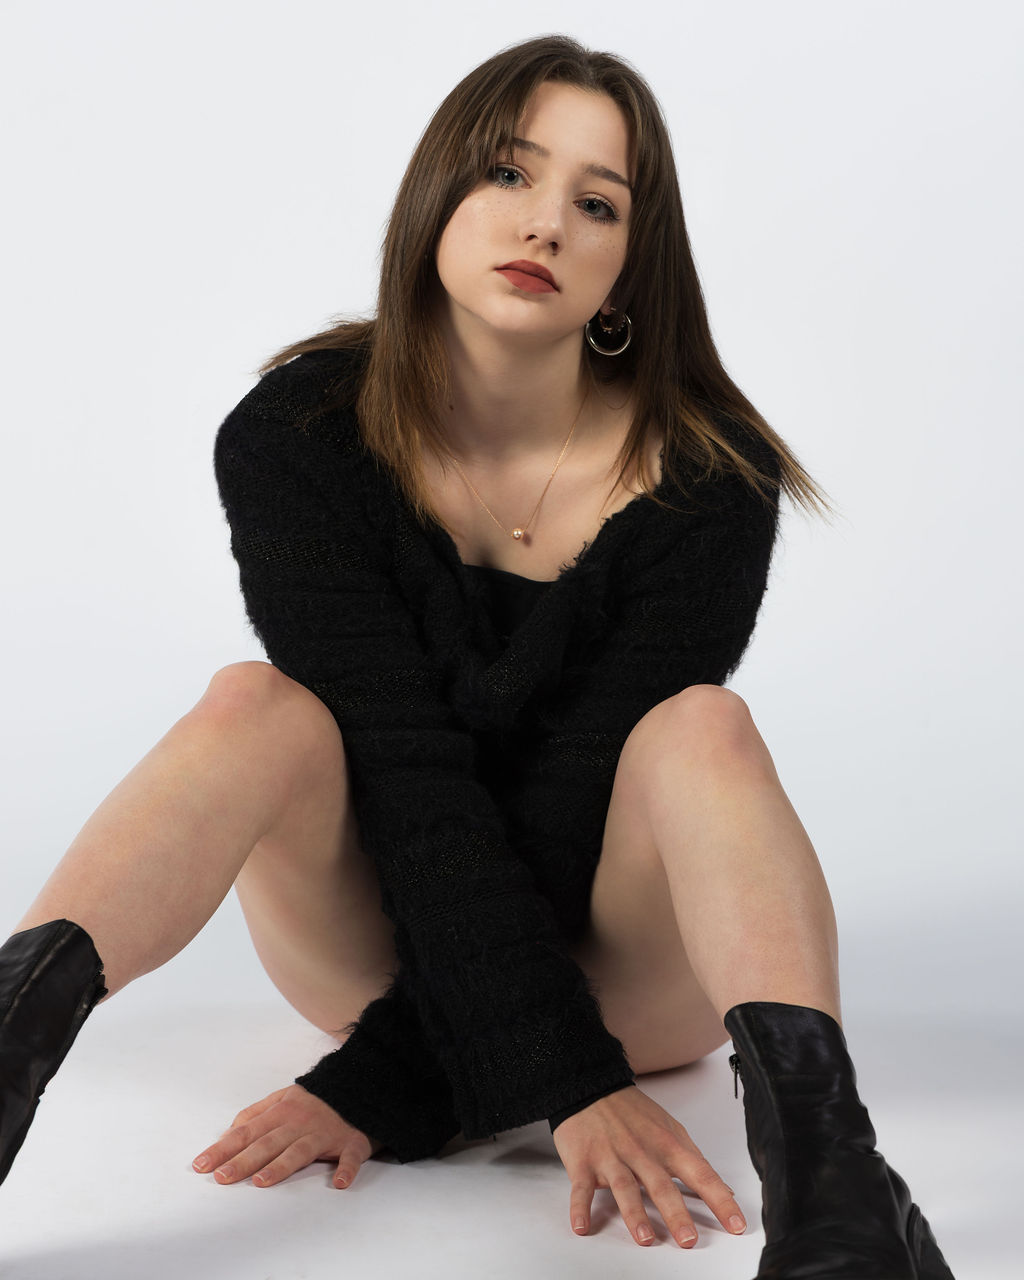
column 625, row 1141
column 280, row 1135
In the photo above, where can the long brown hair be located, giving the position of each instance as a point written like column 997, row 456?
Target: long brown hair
column 677, row 375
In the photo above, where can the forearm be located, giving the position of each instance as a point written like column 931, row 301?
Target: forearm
column 386, row 1082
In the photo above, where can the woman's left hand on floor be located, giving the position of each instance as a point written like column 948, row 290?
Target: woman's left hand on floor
column 280, row 1135
column 626, row 1141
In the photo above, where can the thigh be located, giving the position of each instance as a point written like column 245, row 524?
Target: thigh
column 308, row 890
column 632, row 949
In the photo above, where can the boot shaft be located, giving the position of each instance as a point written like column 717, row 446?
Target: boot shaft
column 50, row 979
column 808, row 1132
column 832, row 1207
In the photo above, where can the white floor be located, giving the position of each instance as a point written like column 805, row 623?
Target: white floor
column 103, row 1188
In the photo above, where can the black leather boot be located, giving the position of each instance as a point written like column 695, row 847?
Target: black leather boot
column 832, row 1208
column 50, row 979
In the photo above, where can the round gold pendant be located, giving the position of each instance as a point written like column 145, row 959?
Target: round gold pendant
column 518, row 533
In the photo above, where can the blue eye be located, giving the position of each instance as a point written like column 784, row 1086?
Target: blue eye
column 592, row 207
column 600, row 210
column 500, row 172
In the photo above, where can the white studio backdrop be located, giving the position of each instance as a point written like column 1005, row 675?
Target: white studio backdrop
column 193, row 185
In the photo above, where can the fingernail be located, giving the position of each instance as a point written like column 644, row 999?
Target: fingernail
column 225, row 1171
column 737, row 1224
column 341, row 1180
column 200, row 1164
column 579, row 1224
column 260, row 1179
column 687, row 1239
column 644, row 1232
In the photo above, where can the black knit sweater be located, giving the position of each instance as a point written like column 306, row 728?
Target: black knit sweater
column 481, row 767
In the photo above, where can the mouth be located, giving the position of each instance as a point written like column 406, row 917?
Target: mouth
column 530, row 276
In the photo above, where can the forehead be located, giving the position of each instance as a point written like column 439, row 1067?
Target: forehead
column 571, row 122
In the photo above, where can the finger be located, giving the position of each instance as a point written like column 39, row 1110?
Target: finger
column 669, row 1202
column 261, row 1120
column 227, row 1146
column 349, row 1164
column 700, row 1177
column 300, row 1153
column 255, row 1156
column 626, row 1190
column 580, row 1200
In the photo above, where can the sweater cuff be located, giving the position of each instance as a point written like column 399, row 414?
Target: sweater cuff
column 518, row 1056
column 385, row 1082
column 555, row 1120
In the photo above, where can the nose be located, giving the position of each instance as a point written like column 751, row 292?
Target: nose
column 544, row 221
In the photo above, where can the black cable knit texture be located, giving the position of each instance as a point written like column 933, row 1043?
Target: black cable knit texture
column 481, row 767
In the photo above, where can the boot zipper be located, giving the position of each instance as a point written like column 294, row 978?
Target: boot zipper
column 734, row 1062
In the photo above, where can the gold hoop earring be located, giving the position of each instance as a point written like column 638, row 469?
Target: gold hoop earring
column 608, row 329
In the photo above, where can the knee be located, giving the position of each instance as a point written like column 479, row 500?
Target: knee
column 709, row 726
column 261, row 693
column 708, row 708
column 250, row 684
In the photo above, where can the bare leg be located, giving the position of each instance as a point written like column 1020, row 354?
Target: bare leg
column 709, row 901
column 708, row 892
column 251, row 784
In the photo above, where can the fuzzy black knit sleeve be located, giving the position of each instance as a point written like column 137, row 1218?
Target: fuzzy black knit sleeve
column 490, row 1024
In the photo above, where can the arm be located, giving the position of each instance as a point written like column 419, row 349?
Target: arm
column 386, row 1081
column 513, row 1027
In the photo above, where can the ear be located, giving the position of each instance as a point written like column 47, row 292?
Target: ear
column 607, row 306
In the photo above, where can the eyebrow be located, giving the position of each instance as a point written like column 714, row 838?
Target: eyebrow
column 595, row 170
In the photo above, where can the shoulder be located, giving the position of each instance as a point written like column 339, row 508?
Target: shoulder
column 751, row 445
column 298, row 389
column 276, row 413
column 284, row 441
column 748, row 482
column 730, row 477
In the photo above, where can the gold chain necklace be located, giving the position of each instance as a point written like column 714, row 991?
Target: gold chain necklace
column 520, row 530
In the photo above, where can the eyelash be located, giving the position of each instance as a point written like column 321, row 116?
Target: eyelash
column 612, row 215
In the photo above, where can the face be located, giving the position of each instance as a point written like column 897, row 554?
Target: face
column 562, row 206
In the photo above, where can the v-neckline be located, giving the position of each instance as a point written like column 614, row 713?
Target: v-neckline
column 489, row 682
column 568, row 571
column 497, row 662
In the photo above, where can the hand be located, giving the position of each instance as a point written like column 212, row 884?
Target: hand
column 625, row 1141
column 282, row 1134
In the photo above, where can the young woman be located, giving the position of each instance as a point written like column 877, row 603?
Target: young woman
column 503, row 544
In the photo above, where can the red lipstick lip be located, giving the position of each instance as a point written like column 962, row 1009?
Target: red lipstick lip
column 529, row 269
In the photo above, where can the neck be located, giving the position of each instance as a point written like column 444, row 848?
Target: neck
column 513, row 400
